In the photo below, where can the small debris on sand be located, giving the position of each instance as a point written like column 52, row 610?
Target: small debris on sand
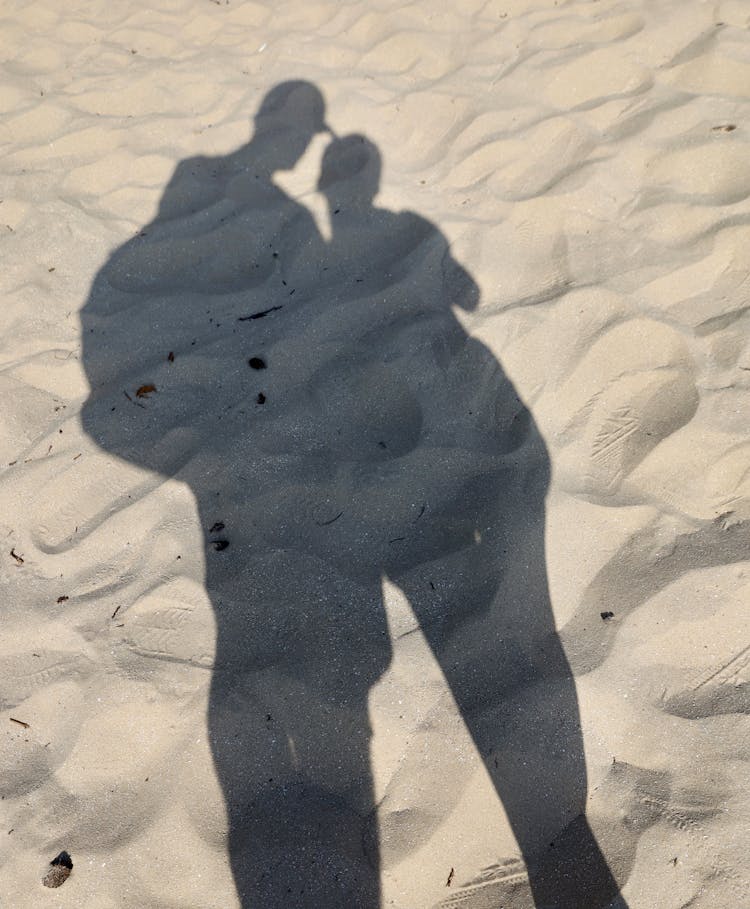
column 62, row 865
column 258, row 315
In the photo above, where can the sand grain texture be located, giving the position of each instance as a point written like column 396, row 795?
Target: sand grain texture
column 508, row 396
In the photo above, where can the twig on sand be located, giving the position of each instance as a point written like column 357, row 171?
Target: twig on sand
column 258, row 315
column 327, row 523
column 137, row 403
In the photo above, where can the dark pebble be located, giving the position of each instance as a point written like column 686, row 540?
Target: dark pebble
column 62, row 865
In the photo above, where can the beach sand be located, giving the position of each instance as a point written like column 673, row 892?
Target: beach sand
column 374, row 483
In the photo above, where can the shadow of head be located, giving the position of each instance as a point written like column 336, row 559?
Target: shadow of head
column 350, row 171
column 290, row 115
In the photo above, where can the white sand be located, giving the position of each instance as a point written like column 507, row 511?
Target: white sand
column 587, row 164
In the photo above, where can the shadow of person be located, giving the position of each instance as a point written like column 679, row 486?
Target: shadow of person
column 456, row 499
column 337, row 427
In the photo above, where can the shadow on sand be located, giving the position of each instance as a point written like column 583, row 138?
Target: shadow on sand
column 338, row 427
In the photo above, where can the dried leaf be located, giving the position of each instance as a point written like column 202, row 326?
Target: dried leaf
column 145, row 390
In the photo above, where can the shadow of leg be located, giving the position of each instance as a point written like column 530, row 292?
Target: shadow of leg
column 493, row 636
column 290, row 732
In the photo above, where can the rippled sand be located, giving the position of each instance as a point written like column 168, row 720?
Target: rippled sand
column 587, row 164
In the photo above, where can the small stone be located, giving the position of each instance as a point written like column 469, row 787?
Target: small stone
column 62, row 865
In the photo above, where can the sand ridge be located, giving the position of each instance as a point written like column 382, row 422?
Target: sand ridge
column 583, row 165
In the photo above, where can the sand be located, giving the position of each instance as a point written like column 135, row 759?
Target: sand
column 374, row 481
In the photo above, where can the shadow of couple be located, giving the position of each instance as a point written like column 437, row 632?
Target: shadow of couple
column 339, row 427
